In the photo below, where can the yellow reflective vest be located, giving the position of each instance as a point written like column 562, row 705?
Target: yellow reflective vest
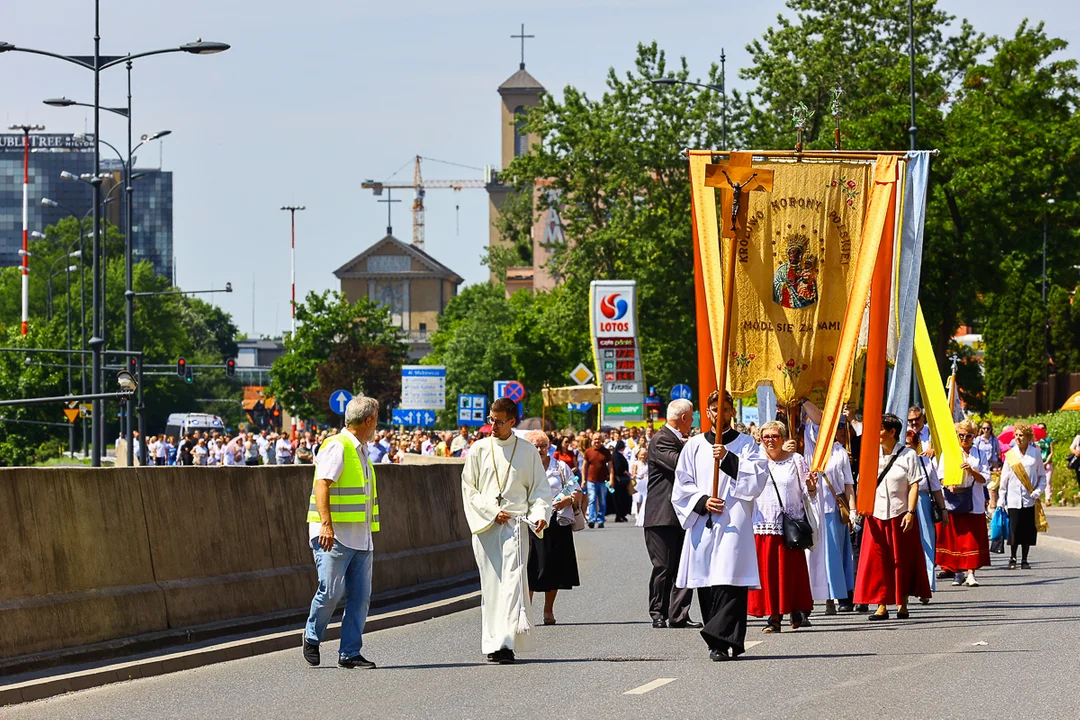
column 349, row 498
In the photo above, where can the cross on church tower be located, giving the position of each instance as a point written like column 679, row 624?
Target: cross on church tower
column 522, row 36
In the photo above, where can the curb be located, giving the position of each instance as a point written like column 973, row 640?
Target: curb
column 1059, row 543
column 41, row 688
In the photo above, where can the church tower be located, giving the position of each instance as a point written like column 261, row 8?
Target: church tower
column 520, row 91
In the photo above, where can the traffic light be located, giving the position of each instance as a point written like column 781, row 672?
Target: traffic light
column 181, row 367
column 230, row 367
column 189, row 377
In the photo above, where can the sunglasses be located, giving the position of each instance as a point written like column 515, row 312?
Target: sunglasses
column 963, row 436
column 770, row 437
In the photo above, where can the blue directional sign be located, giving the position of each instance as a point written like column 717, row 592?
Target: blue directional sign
column 338, row 400
column 681, row 392
column 579, row 407
column 472, row 410
column 413, row 418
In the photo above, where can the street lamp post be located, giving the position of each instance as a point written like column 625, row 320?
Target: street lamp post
column 717, row 88
column 96, row 64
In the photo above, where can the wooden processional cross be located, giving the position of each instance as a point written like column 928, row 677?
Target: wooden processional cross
column 735, row 178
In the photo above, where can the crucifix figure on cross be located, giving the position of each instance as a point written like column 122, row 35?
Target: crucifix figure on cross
column 733, row 178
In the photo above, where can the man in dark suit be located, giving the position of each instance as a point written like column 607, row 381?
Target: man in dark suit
column 669, row 606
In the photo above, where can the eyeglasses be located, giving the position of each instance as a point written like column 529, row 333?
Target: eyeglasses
column 497, row 423
column 963, row 436
column 985, row 428
column 770, row 437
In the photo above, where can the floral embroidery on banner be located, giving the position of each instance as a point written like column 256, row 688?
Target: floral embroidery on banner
column 792, row 369
column 848, row 188
column 742, row 360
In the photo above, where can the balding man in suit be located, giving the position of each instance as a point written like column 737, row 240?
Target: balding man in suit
column 669, row 606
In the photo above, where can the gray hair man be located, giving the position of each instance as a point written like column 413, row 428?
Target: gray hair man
column 669, row 606
column 343, row 512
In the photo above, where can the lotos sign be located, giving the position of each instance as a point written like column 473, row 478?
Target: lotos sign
column 613, row 320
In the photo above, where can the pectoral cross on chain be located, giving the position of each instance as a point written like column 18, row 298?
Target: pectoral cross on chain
column 499, row 498
column 735, row 178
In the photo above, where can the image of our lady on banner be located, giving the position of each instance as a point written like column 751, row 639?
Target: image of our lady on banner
column 792, row 277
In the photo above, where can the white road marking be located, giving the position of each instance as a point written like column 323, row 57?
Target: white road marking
column 650, row 686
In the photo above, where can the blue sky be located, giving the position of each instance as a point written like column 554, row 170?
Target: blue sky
column 315, row 97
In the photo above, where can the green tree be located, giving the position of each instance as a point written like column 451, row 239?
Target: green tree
column 354, row 345
column 513, row 222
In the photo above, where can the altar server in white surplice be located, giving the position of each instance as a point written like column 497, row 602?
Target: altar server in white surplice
column 506, row 494
column 718, row 552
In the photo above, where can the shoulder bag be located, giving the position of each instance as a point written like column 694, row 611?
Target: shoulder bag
column 841, row 507
column 935, row 512
column 798, row 534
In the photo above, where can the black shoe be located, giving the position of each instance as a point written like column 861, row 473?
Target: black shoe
column 862, row 608
column 601, row 526
column 1011, row 565
column 944, row 575
column 592, row 524
column 493, row 657
column 1025, row 566
column 356, row 662
column 311, row 653
column 902, row 614
column 845, row 608
column 874, row 617
column 659, row 624
column 506, row 657
column 687, row 624
column 719, row 655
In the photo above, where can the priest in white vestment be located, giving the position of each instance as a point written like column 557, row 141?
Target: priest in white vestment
column 506, row 494
column 718, row 550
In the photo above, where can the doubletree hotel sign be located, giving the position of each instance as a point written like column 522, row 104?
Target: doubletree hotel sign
column 14, row 142
column 613, row 320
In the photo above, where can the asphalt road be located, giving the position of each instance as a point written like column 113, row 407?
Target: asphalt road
column 1007, row 648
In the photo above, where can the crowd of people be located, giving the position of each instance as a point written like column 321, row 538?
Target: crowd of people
column 734, row 515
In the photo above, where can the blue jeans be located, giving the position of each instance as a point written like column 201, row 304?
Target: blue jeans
column 597, row 502
column 343, row 573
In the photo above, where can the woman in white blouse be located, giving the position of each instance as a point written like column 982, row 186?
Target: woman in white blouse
column 552, row 559
column 1021, row 494
column 962, row 543
column 784, row 577
column 891, row 563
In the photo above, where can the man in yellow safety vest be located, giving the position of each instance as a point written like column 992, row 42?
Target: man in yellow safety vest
column 343, row 512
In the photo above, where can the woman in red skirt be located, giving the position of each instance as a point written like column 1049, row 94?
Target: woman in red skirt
column 891, row 564
column 785, row 579
column 963, row 543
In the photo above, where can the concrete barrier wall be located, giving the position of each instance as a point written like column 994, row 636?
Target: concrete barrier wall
column 90, row 555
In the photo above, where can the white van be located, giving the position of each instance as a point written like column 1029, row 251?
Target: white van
column 180, row 424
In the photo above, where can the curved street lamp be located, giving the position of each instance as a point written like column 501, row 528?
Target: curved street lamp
column 96, row 63
column 706, row 86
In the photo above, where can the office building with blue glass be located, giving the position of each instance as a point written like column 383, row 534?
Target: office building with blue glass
column 52, row 154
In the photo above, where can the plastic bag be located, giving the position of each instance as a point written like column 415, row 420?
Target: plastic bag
column 999, row 531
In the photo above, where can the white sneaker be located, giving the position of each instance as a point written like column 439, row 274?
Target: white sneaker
column 971, row 581
column 956, row 581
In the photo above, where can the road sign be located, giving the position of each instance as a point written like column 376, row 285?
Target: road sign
column 338, row 400
column 681, row 392
column 581, row 374
column 423, row 387
column 416, row 418
column 579, row 407
column 514, row 390
column 72, row 412
column 86, row 410
column 472, row 410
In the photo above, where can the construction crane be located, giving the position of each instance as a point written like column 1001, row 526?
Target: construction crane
column 419, row 186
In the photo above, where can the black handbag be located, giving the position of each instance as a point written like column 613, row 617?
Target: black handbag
column 798, row 535
column 959, row 501
column 936, row 514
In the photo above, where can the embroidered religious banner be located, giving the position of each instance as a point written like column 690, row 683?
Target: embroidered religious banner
column 793, row 277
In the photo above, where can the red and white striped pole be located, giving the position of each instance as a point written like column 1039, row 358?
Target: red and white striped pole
column 292, row 275
column 26, row 129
